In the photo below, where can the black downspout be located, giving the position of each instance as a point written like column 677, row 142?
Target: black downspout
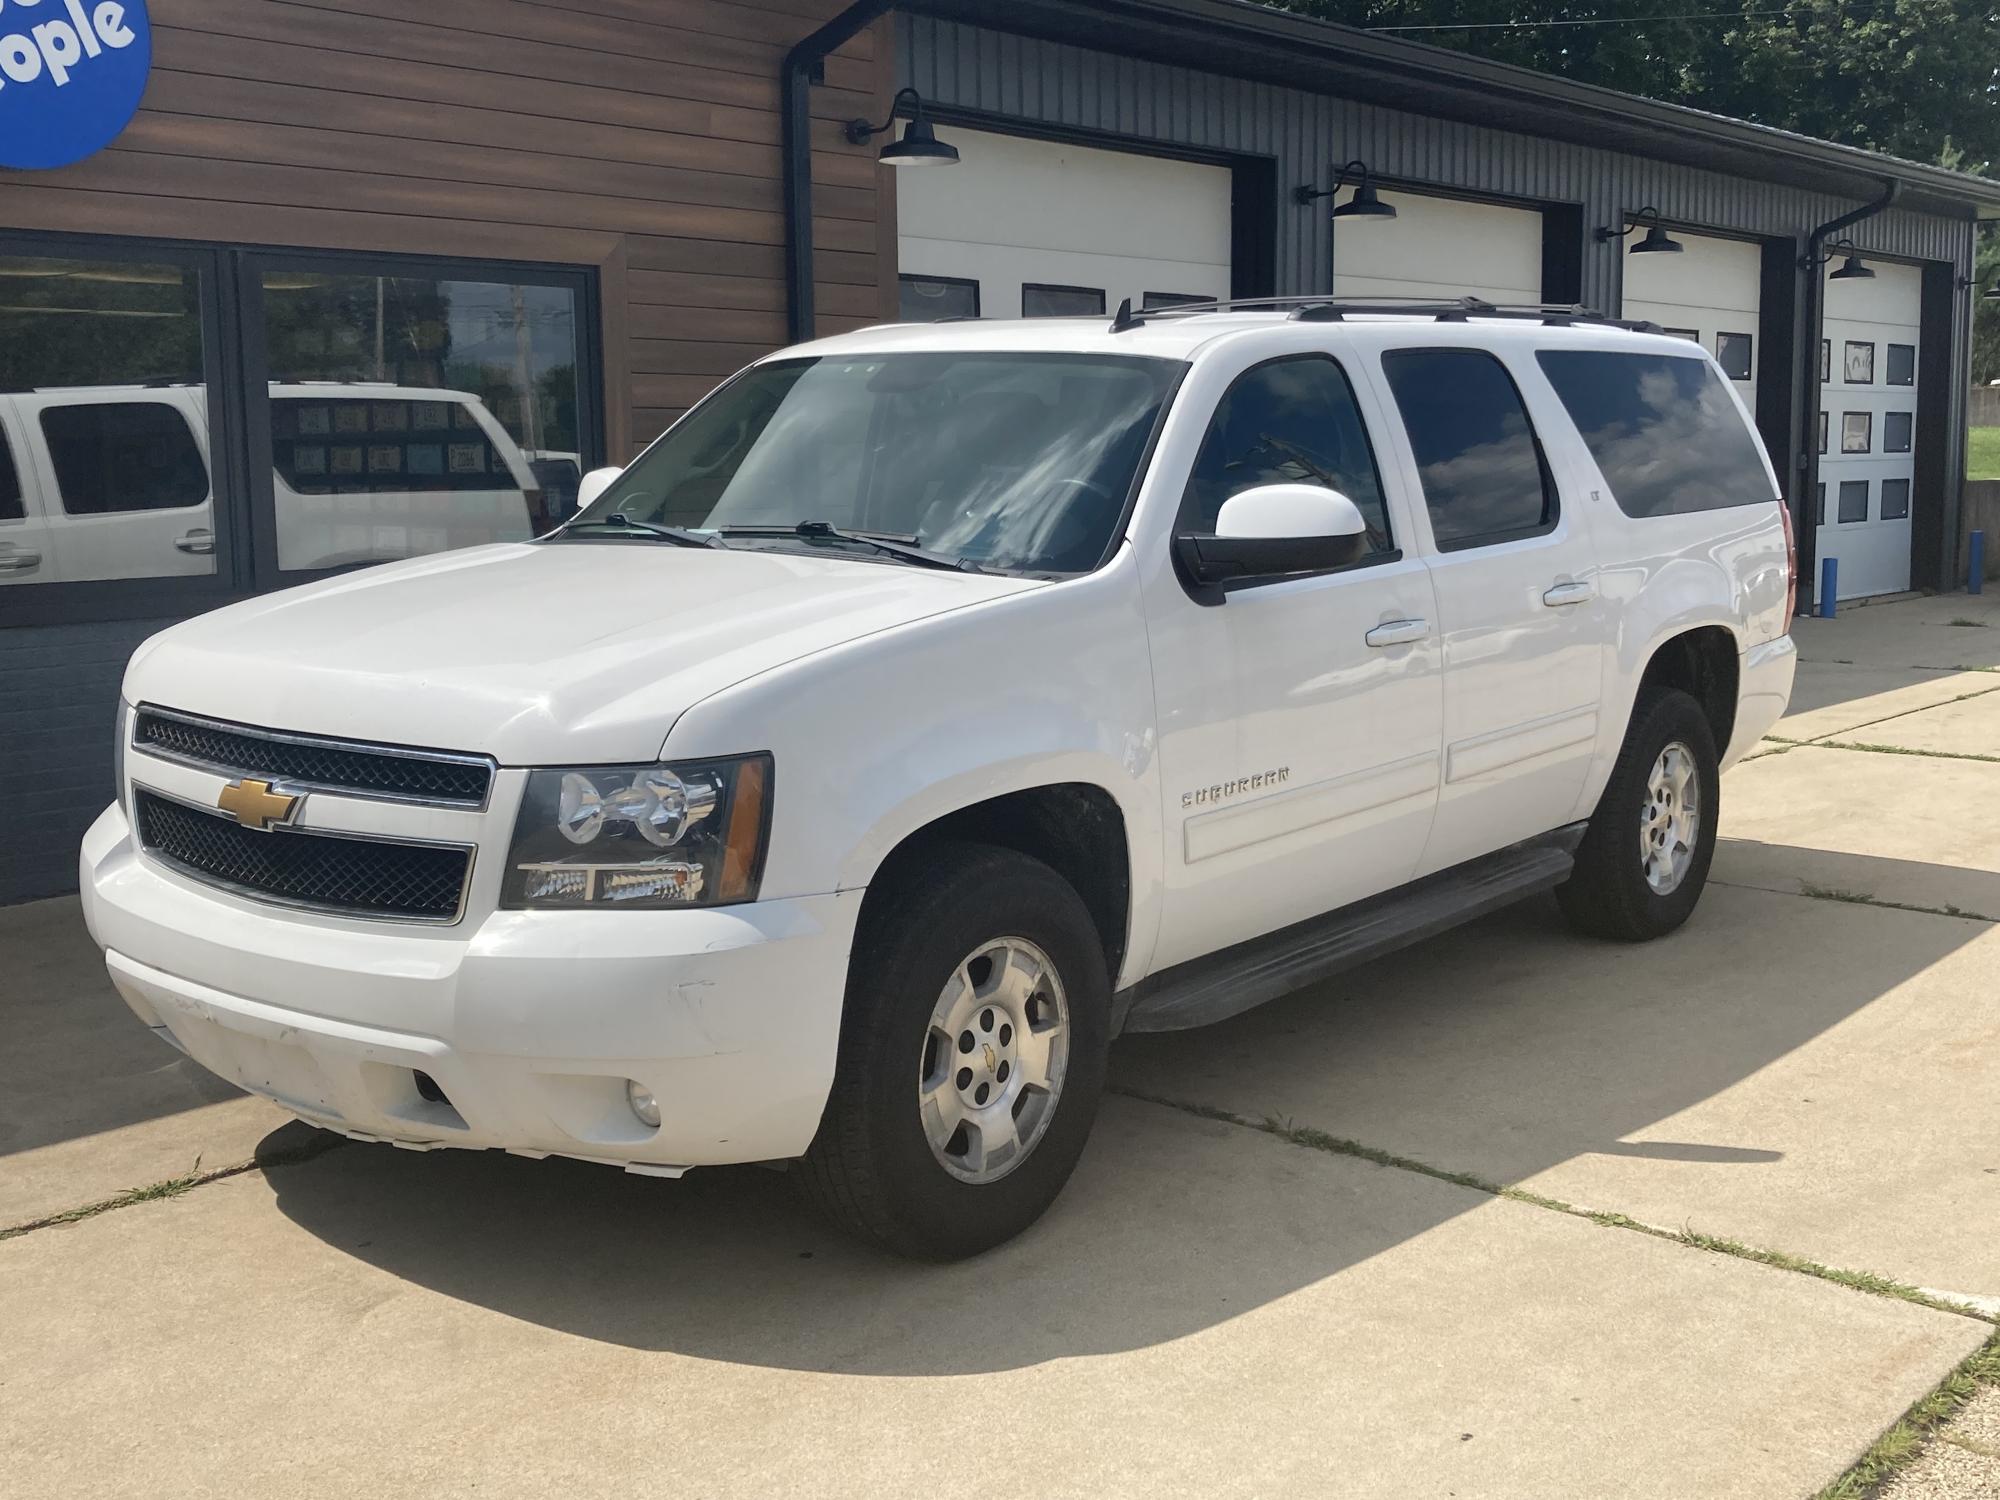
column 1805, row 513
column 801, row 70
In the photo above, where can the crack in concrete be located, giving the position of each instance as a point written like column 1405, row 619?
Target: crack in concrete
column 174, row 1187
column 1313, row 1139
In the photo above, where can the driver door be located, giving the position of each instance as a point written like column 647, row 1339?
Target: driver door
column 1300, row 717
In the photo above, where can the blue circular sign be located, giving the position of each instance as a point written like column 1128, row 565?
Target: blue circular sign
column 72, row 73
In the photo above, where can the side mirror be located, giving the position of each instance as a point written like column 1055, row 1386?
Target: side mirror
column 1273, row 530
column 595, row 483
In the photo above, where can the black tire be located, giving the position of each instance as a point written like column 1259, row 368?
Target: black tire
column 1608, row 895
column 871, row 1168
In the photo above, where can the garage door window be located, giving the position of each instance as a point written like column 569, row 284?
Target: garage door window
column 1293, row 421
column 932, row 299
column 1062, row 301
column 1477, row 454
column 1665, row 434
column 1901, row 364
column 1895, row 499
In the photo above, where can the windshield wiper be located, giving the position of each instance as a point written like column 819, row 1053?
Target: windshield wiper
column 619, row 524
column 904, row 548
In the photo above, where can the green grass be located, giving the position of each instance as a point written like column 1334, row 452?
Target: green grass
column 1906, row 1439
column 1982, row 453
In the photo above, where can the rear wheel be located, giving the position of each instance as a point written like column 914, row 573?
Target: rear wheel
column 1642, row 866
column 972, row 1055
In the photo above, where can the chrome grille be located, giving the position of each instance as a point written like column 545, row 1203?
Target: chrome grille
column 439, row 777
column 327, row 872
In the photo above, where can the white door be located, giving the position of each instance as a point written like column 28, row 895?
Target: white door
column 124, row 480
column 25, row 553
column 1439, row 247
column 1518, row 609
column 1868, row 405
column 1026, row 228
column 1298, row 736
column 1709, row 294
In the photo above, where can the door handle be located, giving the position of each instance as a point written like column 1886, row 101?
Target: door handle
column 1398, row 632
column 1569, row 593
column 19, row 562
column 201, row 542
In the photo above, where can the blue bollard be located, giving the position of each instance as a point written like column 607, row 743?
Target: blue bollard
column 1829, row 585
column 1975, row 571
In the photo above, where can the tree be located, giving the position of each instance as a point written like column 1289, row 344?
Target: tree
column 1909, row 77
column 1918, row 79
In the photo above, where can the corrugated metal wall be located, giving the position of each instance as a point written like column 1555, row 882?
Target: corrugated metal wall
column 968, row 67
column 957, row 66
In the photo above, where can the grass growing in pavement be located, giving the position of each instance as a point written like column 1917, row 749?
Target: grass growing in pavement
column 1903, row 1442
column 1319, row 1140
column 1905, row 750
column 1968, row 624
column 1862, row 898
column 316, row 1145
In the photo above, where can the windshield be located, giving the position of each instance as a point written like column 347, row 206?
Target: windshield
column 1012, row 461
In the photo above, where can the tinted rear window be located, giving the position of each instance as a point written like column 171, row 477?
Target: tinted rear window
column 1477, row 454
column 124, row 456
column 10, row 484
column 1665, row 433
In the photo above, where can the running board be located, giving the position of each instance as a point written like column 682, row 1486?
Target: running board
column 1220, row 985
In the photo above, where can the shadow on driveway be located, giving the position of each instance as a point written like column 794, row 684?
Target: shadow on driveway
column 1163, row 1232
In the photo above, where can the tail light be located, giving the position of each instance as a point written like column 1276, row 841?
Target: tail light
column 1791, row 568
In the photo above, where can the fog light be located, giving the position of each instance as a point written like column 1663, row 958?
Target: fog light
column 644, row 1105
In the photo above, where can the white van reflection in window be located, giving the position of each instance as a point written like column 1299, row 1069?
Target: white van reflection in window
column 111, row 482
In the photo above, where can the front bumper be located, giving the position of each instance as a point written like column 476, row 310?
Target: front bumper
column 530, row 1024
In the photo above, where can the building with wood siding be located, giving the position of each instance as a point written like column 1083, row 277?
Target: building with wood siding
column 581, row 215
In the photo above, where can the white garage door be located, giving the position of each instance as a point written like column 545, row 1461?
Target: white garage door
column 1708, row 294
column 1868, row 417
column 1026, row 228
column 1442, row 248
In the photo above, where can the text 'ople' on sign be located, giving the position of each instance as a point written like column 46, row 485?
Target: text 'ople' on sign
column 72, row 73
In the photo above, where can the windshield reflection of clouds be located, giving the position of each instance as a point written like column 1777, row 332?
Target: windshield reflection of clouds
column 1019, row 461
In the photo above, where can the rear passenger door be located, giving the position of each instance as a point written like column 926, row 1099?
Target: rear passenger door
column 1521, row 622
column 125, row 487
column 25, row 555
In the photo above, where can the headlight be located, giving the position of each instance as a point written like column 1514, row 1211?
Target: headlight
column 689, row 834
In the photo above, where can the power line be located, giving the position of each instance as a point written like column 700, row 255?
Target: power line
column 1707, row 15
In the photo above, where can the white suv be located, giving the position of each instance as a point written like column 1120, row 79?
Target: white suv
column 109, row 481
column 932, row 704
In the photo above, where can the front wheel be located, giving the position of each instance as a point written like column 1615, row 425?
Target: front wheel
column 972, row 1055
column 1642, row 866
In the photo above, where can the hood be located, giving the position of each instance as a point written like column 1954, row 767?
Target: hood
column 536, row 655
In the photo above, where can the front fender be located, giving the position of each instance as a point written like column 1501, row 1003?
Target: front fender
column 876, row 739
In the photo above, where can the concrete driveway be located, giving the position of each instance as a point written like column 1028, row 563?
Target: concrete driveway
column 1514, row 1214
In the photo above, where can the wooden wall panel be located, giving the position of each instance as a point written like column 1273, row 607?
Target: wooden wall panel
column 639, row 137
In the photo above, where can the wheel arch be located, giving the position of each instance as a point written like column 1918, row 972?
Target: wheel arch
column 1077, row 828
column 1704, row 662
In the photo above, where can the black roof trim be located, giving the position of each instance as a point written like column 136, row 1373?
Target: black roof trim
column 1255, row 41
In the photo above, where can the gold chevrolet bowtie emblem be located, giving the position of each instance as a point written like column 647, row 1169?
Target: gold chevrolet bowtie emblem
column 992, row 1062
column 255, row 805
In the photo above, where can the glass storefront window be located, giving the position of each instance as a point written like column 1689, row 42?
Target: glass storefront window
column 413, row 414
column 104, row 429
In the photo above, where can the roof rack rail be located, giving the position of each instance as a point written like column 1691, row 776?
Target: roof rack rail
column 1323, row 309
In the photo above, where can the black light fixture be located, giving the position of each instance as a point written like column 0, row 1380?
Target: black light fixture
column 1365, row 204
column 1657, row 240
column 919, row 146
column 1851, row 269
